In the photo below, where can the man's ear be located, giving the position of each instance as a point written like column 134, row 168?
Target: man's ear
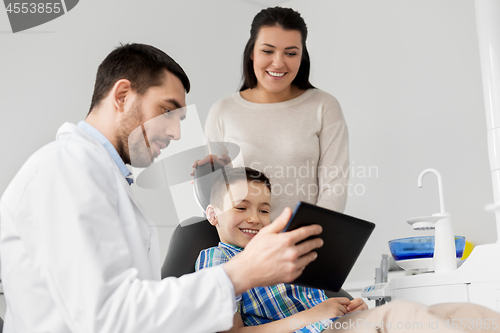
column 120, row 92
column 211, row 215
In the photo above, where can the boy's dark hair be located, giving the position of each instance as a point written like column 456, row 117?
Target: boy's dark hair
column 230, row 176
column 288, row 19
column 143, row 65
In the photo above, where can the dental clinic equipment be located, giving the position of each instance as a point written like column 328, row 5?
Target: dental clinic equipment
column 477, row 280
column 381, row 275
column 444, row 257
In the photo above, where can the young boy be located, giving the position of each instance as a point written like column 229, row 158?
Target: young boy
column 239, row 208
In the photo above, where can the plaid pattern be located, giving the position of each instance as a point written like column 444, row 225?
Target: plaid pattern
column 262, row 305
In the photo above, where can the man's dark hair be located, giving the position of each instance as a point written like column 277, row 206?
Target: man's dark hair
column 143, row 65
column 232, row 175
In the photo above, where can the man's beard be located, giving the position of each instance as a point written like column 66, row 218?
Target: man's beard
column 132, row 142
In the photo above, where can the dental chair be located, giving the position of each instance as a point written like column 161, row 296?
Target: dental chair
column 195, row 234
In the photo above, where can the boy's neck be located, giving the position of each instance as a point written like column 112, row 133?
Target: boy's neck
column 232, row 245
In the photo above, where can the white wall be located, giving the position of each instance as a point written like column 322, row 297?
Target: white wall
column 406, row 73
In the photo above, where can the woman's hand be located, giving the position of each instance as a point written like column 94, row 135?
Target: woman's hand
column 357, row 304
column 221, row 160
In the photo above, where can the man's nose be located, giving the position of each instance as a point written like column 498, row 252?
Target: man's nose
column 174, row 129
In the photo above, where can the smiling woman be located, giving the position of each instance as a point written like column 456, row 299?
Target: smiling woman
column 280, row 120
column 276, row 61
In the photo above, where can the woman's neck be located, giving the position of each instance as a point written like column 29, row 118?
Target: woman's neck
column 262, row 96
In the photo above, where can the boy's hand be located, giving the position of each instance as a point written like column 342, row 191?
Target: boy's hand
column 357, row 304
column 331, row 308
column 273, row 257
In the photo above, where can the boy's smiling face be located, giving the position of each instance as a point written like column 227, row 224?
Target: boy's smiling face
column 238, row 223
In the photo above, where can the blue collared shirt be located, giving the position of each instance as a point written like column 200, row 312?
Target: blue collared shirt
column 109, row 147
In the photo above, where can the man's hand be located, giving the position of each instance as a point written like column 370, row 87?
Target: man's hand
column 273, row 257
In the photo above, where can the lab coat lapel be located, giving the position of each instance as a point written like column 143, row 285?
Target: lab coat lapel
column 153, row 241
column 141, row 234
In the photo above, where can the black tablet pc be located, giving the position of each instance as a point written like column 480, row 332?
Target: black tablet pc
column 344, row 237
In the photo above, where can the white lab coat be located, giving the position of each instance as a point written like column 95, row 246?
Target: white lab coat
column 79, row 255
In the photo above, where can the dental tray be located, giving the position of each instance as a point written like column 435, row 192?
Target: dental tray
column 420, row 247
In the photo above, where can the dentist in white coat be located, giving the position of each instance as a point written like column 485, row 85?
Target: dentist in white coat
column 78, row 252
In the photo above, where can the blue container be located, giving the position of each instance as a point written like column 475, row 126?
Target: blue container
column 420, row 247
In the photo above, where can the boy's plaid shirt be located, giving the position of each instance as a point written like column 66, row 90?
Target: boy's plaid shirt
column 262, row 305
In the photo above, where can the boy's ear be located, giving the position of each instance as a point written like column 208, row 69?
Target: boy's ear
column 211, row 216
